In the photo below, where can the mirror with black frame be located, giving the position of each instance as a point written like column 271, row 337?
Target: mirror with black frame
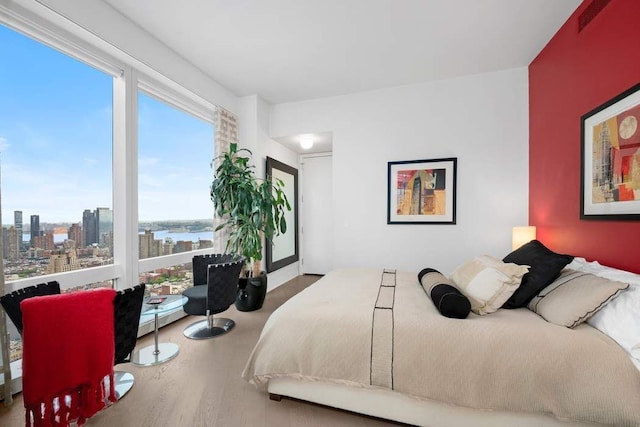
column 283, row 249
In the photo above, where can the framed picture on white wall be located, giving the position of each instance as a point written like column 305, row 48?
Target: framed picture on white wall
column 422, row 191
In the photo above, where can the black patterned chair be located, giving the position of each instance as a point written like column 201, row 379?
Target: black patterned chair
column 219, row 293
column 11, row 302
column 127, row 308
column 199, row 265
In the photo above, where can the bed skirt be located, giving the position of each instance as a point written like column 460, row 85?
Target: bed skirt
column 395, row 406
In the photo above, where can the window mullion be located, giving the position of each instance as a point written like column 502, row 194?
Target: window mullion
column 125, row 177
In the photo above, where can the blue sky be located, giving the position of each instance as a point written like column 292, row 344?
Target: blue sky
column 55, row 142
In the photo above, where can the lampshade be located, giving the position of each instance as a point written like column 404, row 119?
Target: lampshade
column 522, row 235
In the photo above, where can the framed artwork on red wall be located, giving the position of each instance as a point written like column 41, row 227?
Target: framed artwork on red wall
column 422, row 191
column 610, row 169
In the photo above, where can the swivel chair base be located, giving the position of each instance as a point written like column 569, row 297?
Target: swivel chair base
column 208, row 328
column 123, row 382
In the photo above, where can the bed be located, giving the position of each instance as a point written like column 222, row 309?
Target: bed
column 372, row 341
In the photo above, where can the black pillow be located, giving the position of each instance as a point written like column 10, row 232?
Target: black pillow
column 449, row 301
column 545, row 268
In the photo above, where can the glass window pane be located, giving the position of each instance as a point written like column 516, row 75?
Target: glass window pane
column 167, row 281
column 175, row 150
column 56, row 145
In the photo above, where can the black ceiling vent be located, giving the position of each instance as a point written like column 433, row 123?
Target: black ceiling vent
column 591, row 12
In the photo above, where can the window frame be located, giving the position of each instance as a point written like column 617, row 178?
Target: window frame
column 127, row 80
column 182, row 103
column 44, row 25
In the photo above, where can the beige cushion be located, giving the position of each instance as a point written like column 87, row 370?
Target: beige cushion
column 488, row 282
column 574, row 297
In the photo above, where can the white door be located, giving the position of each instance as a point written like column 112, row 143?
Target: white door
column 317, row 214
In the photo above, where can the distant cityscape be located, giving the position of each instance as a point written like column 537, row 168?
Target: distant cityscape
column 88, row 243
column 47, row 248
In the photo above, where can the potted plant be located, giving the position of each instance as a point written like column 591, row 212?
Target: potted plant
column 251, row 209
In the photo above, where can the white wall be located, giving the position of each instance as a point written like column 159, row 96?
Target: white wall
column 254, row 135
column 482, row 120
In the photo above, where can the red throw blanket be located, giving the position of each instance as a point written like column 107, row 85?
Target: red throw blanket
column 68, row 351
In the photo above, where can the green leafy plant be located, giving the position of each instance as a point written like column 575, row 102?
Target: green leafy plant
column 251, row 208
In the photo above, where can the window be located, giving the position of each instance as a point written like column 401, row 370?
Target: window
column 56, row 154
column 65, row 126
column 56, row 144
column 175, row 214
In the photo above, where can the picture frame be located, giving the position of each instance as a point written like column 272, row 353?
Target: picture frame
column 434, row 203
column 283, row 250
column 610, row 159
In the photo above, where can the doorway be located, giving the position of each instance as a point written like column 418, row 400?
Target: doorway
column 316, row 201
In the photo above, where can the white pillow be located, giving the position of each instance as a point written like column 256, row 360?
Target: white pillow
column 488, row 282
column 620, row 318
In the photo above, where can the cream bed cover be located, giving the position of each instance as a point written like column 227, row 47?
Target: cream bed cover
column 356, row 327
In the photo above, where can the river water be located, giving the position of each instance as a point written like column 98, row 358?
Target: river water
column 158, row 235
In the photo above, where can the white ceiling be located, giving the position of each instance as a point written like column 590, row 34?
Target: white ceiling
column 293, row 50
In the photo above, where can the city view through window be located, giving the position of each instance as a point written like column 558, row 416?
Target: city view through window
column 56, row 166
column 56, row 157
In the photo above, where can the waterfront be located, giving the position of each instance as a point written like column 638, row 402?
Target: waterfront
column 160, row 235
column 182, row 236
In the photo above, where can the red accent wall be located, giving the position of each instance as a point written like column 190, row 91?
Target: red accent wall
column 573, row 74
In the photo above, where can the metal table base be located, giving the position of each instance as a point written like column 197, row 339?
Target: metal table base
column 158, row 352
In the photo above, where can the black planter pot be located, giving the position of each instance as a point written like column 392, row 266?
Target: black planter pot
column 251, row 292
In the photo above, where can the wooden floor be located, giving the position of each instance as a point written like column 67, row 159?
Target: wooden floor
column 202, row 385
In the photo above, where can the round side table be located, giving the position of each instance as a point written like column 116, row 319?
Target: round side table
column 158, row 352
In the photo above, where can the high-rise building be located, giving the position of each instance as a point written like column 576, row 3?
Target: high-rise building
column 204, row 244
column 97, row 226
column 168, row 247
column 104, row 220
column 11, row 245
column 183, row 246
column 75, row 233
column 48, row 243
column 89, row 227
column 145, row 244
column 37, row 243
column 17, row 222
column 34, row 228
column 108, row 243
column 156, row 248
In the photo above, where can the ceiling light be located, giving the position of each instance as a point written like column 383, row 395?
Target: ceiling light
column 306, row 141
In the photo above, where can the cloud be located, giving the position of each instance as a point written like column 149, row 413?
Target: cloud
column 89, row 162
